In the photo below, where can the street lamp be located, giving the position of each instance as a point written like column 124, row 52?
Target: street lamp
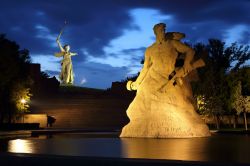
column 23, row 101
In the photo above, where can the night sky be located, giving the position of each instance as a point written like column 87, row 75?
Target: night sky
column 111, row 36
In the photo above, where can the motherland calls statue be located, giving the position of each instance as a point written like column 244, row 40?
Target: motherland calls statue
column 66, row 75
column 163, row 105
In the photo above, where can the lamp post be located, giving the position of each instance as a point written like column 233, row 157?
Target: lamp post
column 23, row 101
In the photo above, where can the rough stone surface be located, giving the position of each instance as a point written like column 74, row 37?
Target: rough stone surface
column 160, row 108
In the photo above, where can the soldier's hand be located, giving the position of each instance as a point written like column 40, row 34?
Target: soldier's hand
column 131, row 85
column 187, row 68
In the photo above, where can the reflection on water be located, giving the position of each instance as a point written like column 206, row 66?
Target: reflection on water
column 223, row 148
column 216, row 148
column 20, row 146
column 184, row 149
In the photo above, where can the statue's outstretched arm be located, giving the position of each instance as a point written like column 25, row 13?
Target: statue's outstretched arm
column 73, row 53
column 59, row 54
column 147, row 64
column 60, row 46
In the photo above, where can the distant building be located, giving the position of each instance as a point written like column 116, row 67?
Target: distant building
column 35, row 71
column 119, row 89
column 42, row 84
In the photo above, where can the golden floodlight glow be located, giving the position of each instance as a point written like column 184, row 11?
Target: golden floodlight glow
column 23, row 101
column 20, row 146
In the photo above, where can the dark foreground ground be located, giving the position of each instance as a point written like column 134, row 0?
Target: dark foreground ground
column 9, row 159
column 94, row 111
column 102, row 148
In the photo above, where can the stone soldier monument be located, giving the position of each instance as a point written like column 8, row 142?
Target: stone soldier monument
column 163, row 105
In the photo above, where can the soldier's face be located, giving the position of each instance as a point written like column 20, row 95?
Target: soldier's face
column 160, row 31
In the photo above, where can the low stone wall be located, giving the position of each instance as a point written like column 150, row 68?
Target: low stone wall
column 34, row 118
column 94, row 112
column 84, row 112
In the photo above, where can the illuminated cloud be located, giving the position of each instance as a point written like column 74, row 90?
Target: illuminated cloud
column 236, row 33
column 44, row 33
column 135, row 40
column 48, row 62
column 142, row 36
column 83, row 81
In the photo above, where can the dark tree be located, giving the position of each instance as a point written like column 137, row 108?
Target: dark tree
column 220, row 75
column 14, row 64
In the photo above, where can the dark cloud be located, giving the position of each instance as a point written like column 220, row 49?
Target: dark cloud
column 245, row 37
column 92, row 24
column 132, row 50
column 201, row 19
column 201, row 32
column 195, row 11
column 132, row 53
column 134, row 56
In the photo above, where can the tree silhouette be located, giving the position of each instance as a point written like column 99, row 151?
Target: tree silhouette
column 14, row 64
column 220, row 75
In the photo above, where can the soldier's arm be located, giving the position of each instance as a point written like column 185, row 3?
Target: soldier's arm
column 188, row 51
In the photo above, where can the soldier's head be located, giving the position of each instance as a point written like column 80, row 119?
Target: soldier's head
column 174, row 35
column 159, row 29
column 66, row 47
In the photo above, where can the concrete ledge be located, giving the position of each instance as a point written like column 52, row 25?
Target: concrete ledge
column 19, row 126
column 237, row 132
column 12, row 159
column 64, row 131
column 15, row 134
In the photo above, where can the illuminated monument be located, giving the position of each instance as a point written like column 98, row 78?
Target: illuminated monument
column 163, row 105
column 66, row 75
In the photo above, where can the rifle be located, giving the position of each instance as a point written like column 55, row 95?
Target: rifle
column 177, row 73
